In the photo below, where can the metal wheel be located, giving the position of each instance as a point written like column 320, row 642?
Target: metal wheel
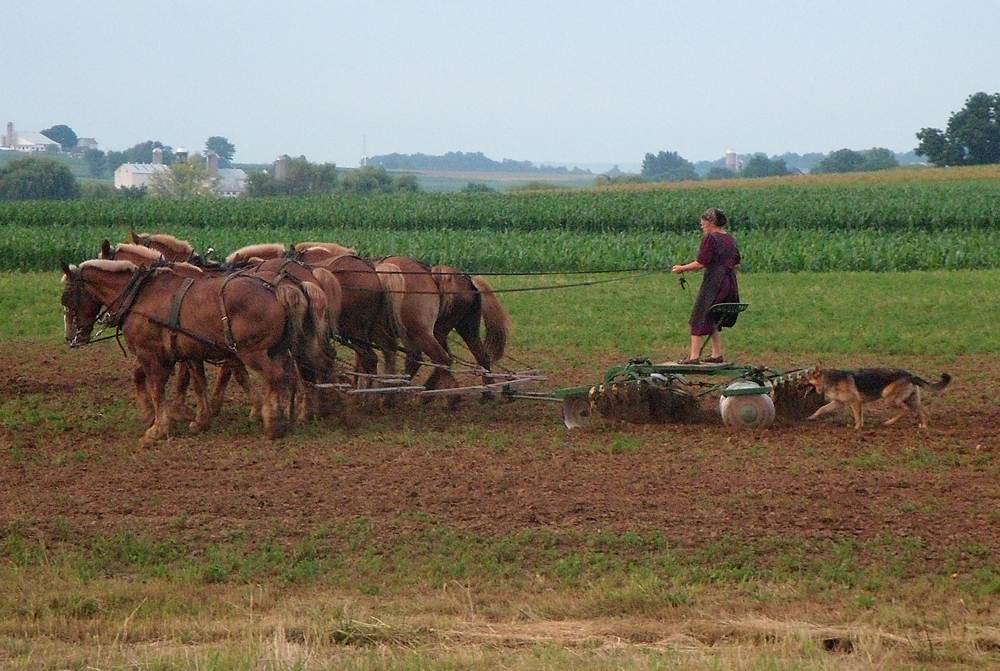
column 747, row 411
column 576, row 411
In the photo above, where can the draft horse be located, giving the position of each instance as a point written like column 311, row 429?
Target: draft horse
column 364, row 323
column 226, row 317
column 150, row 257
column 428, row 303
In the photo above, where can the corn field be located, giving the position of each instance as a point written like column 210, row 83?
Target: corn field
column 916, row 225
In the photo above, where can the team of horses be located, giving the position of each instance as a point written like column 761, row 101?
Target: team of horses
column 279, row 312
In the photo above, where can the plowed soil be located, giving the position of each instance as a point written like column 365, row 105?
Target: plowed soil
column 71, row 463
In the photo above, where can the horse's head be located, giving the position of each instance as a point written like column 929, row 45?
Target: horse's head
column 81, row 308
column 144, row 257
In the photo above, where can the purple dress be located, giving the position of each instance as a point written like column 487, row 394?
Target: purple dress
column 720, row 256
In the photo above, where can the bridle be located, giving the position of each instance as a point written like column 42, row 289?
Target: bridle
column 108, row 315
column 71, row 309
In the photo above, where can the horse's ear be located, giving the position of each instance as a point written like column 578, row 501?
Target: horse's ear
column 67, row 271
column 135, row 237
column 106, row 251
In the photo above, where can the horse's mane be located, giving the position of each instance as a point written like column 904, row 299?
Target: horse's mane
column 263, row 250
column 110, row 266
column 147, row 253
column 187, row 267
column 167, row 240
column 332, row 247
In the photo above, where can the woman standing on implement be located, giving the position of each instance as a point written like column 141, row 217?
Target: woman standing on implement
column 719, row 256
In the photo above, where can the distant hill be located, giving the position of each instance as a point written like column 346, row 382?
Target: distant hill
column 477, row 162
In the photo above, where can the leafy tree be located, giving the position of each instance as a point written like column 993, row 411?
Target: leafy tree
column 92, row 189
column 300, row 178
column 879, row 158
column 183, row 180
column 140, row 153
column 37, row 178
column 719, row 173
column 62, row 134
column 842, row 160
column 369, row 179
column 406, row 183
column 223, row 148
column 96, row 162
column 972, row 136
column 667, row 167
column 477, row 187
column 848, row 160
column 759, row 165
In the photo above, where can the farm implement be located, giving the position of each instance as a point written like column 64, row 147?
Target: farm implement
column 643, row 392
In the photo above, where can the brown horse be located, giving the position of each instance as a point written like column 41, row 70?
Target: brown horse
column 428, row 303
column 466, row 303
column 314, row 347
column 148, row 257
column 364, row 324
column 237, row 316
column 317, row 355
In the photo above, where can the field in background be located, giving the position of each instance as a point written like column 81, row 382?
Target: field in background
column 922, row 220
column 450, row 182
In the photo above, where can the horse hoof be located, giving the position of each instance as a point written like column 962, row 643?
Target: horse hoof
column 151, row 437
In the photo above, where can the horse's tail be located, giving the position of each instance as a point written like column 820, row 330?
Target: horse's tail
column 449, row 287
column 495, row 318
column 393, row 282
column 330, row 285
column 296, row 311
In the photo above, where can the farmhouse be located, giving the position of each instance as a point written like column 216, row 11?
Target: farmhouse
column 228, row 182
column 26, row 142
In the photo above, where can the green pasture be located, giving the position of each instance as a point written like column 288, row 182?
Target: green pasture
column 848, row 313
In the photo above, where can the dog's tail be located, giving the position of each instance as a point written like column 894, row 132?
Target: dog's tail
column 933, row 386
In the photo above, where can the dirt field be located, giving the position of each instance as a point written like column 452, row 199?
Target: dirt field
column 68, row 459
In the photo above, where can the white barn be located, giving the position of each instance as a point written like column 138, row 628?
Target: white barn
column 228, row 182
column 26, row 142
column 137, row 174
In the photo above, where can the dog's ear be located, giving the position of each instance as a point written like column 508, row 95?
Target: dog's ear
column 819, row 366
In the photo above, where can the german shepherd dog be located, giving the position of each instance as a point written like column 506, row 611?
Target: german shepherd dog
column 854, row 388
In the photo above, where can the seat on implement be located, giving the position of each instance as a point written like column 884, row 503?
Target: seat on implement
column 725, row 314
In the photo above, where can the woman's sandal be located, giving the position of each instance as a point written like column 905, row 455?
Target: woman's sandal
column 689, row 362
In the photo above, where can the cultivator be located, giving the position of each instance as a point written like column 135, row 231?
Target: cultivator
column 643, row 392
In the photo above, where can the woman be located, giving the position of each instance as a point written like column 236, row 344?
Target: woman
column 719, row 256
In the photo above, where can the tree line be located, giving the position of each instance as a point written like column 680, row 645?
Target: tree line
column 972, row 137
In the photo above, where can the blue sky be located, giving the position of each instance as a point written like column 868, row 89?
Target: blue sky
column 582, row 82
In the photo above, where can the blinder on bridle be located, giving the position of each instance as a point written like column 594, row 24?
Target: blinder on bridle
column 71, row 301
